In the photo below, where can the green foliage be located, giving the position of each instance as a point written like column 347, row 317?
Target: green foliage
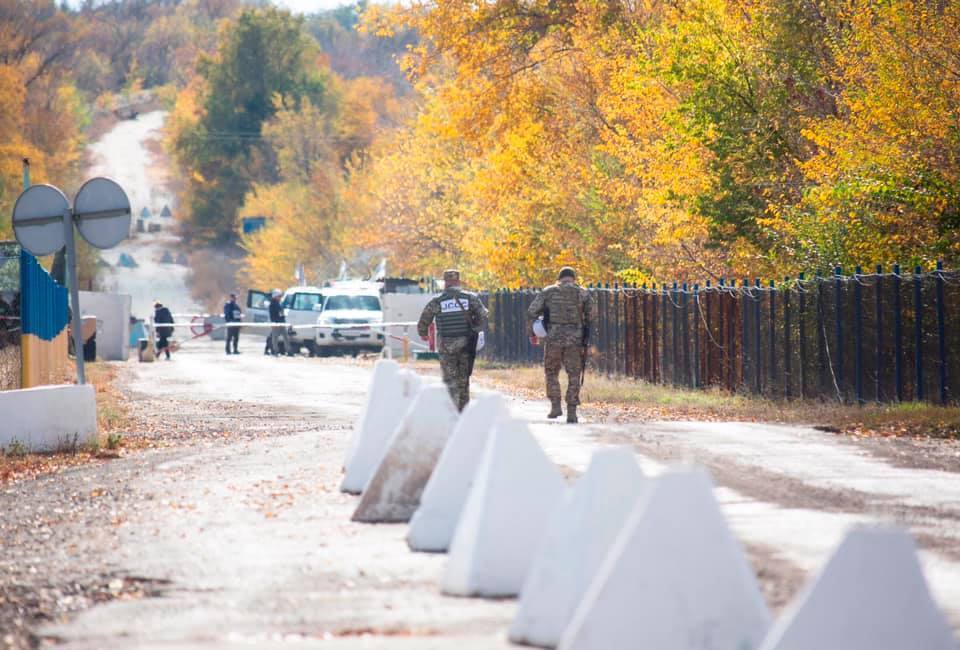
column 265, row 63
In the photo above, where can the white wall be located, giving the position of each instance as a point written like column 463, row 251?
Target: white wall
column 113, row 322
column 402, row 308
column 46, row 418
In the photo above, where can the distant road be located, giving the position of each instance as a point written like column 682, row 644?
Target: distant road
column 124, row 155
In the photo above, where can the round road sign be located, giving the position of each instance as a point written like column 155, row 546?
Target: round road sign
column 102, row 211
column 38, row 219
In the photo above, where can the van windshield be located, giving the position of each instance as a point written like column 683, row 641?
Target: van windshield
column 362, row 303
column 305, row 301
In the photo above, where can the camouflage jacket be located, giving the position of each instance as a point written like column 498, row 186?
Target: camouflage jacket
column 570, row 308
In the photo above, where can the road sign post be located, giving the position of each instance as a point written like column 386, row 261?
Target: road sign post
column 74, row 288
column 43, row 223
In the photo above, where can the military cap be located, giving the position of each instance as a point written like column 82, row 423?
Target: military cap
column 451, row 275
column 566, row 272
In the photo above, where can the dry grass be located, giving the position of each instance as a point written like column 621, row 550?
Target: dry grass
column 113, row 418
column 626, row 399
column 113, row 412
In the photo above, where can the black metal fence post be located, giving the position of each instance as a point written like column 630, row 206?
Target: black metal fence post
column 878, row 327
column 685, row 333
column 802, row 332
column 696, row 336
column 941, row 336
column 919, row 394
column 897, row 333
column 821, row 337
column 772, row 335
column 663, row 333
column 838, row 326
column 757, row 371
column 617, row 352
column 787, row 339
column 858, row 333
column 745, row 331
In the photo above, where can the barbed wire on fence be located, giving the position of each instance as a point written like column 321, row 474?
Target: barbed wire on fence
column 898, row 331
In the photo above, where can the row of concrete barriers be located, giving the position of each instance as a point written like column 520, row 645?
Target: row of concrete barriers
column 620, row 560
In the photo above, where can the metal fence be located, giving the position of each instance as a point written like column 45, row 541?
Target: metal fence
column 881, row 336
column 10, row 353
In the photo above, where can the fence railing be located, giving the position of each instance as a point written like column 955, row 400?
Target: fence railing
column 10, row 355
column 881, row 336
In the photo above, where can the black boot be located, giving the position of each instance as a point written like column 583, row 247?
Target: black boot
column 555, row 410
column 571, row 414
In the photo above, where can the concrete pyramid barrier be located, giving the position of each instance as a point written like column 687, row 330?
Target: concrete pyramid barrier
column 393, row 493
column 579, row 536
column 513, row 495
column 871, row 595
column 391, row 392
column 675, row 578
column 383, row 385
column 432, row 526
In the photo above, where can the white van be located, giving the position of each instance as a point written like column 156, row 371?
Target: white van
column 347, row 322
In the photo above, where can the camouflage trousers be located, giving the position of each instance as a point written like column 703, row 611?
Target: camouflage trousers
column 558, row 355
column 455, row 365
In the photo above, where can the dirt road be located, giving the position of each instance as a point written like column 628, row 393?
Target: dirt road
column 244, row 538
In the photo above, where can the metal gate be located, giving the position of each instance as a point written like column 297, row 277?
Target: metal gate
column 10, row 356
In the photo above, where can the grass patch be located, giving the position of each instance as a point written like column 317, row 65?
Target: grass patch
column 629, row 400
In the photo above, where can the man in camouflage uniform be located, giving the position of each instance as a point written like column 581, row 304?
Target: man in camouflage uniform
column 460, row 317
column 568, row 313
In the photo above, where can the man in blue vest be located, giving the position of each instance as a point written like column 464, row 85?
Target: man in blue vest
column 460, row 317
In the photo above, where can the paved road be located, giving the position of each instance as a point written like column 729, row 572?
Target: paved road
column 250, row 541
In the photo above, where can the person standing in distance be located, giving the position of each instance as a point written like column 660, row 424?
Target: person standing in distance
column 568, row 313
column 232, row 314
column 163, row 319
column 460, row 317
column 279, row 328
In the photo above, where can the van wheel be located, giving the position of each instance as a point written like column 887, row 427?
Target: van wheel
column 295, row 349
column 311, row 348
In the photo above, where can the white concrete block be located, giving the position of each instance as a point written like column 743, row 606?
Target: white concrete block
column 383, row 382
column 871, row 595
column 113, row 322
column 674, row 579
column 391, row 392
column 393, row 493
column 510, row 502
column 434, row 522
column 47, row 418
column 579, row 536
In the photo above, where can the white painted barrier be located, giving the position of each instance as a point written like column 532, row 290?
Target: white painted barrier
column 434, row 522
column 871, row 595
column 511, row 500
column 47, row 418
column 113, row 322
column 377, row 411
column 675, row 578
column 579, row 537
column 393, row 493
column 389, row 397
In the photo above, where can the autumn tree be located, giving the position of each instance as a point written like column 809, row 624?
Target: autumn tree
column 264, row 63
